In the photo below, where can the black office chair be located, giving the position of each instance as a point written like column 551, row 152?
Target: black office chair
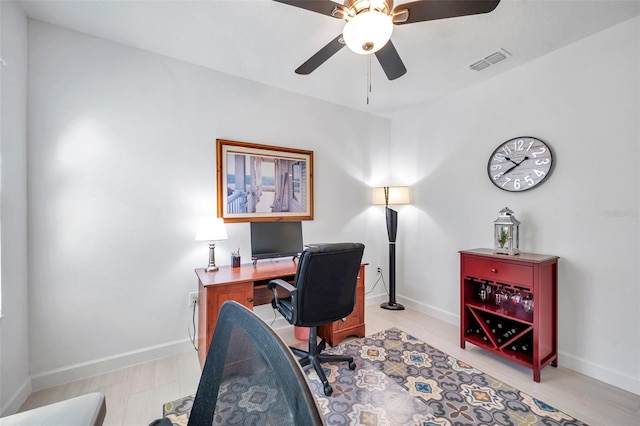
column 324, row 291
column 251, row 377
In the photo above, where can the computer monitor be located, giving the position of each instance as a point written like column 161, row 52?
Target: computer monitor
column 276, row 239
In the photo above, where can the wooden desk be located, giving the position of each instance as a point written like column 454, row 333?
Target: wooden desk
column 248, row 285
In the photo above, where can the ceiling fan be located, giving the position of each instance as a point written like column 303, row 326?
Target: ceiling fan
column 369, row 24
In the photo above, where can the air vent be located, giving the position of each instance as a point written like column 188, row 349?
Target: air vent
column 480, row 65
column 489, row 60
column 495, row 57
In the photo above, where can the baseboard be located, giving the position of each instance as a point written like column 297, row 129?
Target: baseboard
column 84, row 370
column 375, row 299
column 599, row 372
column 430, row 310
column 80, row 371
column 418, row 306
column 16, row 401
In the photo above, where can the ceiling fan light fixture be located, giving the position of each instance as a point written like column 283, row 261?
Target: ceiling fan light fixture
column 367, row 32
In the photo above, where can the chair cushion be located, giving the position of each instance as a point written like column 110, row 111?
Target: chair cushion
column 84, row 410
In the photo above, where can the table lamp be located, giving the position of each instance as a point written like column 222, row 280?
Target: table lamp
column 211, row 229
column 392, row 195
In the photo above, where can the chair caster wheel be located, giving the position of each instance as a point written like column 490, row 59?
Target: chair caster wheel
column 328, row 390
column 352, row 365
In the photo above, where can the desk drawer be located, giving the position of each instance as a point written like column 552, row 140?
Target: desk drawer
column 352, row 320
column 498, row 271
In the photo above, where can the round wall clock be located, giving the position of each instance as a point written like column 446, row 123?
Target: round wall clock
column 520, row 164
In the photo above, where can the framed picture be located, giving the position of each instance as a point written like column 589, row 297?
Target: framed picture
column 263, row 182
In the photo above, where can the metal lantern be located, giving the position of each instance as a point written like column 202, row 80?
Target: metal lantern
column 506, row 236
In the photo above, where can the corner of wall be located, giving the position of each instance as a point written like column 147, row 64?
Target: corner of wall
column 15, row 383
column 15, row 402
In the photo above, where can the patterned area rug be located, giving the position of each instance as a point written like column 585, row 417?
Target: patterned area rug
column 400, row 380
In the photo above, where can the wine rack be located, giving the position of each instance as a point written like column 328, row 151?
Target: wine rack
column 508, row 305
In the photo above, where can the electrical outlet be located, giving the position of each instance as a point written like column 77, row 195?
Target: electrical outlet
column 193, row 299
column 379, row 269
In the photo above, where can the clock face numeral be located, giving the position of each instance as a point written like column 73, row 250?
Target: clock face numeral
column 520, row 164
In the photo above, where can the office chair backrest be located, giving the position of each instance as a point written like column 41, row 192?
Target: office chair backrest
column 250, row 376
column 326, row 282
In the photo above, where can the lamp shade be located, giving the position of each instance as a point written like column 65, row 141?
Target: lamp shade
column 367, row 32
column 211, row 229
column 397, row 195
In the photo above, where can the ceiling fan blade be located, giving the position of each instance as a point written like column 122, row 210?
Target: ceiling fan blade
column 390, row 61
column 325, row 7
column 430, row 10
column 323, row 54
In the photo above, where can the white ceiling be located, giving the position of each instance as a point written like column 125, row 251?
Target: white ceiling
column 265, row 41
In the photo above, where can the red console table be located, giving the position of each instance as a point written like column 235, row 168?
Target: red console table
column 507, row 328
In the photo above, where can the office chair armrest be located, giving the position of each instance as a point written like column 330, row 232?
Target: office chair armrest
column 281, row 283
column 273, row 284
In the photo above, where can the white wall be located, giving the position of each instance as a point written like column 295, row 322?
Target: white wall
column 15, row 384
column 122, row 165
column 121, row 168
column 583, row 100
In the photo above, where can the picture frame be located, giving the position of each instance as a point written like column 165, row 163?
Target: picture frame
column 278, row 182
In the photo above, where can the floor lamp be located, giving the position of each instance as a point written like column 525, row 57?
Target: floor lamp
column 392, row 195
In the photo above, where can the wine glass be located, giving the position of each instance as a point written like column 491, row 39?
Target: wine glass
column 516, row 296
column 483, row 292
column 489, row 290
column 500, row 296
column 527, row 302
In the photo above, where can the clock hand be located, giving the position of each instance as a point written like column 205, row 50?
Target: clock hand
column 513, row 167
column 509, row 169
column 517, row 164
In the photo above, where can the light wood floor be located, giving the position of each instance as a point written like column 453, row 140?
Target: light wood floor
column 135, row 395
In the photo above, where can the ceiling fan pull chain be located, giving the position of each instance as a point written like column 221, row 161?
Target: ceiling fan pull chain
column 368, row 78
